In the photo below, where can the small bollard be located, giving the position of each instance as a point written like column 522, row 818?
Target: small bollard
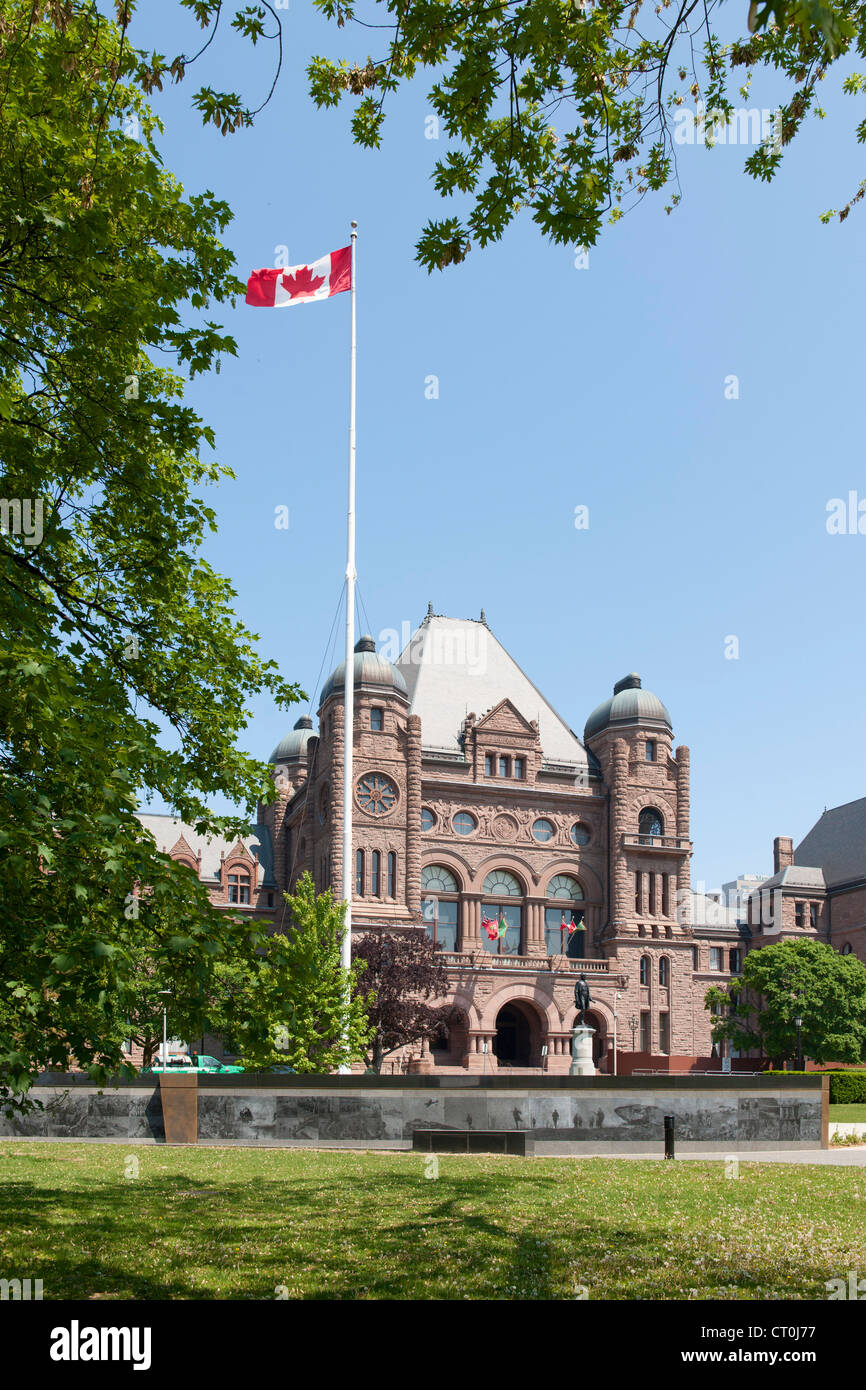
column 669, row 1136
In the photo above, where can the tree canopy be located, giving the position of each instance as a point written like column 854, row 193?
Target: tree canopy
column 403, row 973
column 124, row 670
column 795, row 978
column 298, row 1007
column 565, row 108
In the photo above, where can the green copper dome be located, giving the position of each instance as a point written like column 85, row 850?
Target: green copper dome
column 295, row 743
column 371, row 669
column 629, row 704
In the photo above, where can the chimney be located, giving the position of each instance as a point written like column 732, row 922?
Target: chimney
column 783, row 852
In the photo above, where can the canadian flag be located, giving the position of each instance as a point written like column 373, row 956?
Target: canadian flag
column 301, row 284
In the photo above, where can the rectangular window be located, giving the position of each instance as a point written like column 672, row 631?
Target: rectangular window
column 650, row 751
column 666, row 895
column 509, row 944
column 734, row 962
column 377, row 718
column 488, row 765
column 800, row 914
column 664, row 1032
column 645, row 1037
column 652, row 895
column 239, row 888
column 503, row 767
column 359, row 873
column 638, row 894
column 716, row 962
column 557, row 938
column 375, row 872
column 813, row 914
column 519, row 769
column 446, row 926
column 392, row 875
column 696, row 957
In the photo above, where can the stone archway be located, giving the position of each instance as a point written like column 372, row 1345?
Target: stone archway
column 517, row 1042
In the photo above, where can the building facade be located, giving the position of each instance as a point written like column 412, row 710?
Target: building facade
column 819, row 889
column 476, row 804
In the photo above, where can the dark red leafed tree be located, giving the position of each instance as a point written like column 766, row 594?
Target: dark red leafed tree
column 403, row 973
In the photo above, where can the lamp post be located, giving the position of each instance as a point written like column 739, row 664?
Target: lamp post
column 615, row 1002
column 799, row 1022
column 632, row 1023
column 165, row 1029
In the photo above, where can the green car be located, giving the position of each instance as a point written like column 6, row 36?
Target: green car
column 194, row 1061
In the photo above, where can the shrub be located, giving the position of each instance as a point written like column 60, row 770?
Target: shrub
column 846, row 1087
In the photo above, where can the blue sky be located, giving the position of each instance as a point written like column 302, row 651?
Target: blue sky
column 558, row 387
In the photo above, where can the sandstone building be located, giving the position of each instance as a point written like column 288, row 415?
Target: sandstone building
column 475, row 802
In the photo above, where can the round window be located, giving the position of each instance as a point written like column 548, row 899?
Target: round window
column 428, row 820
column 463, row 823
column 542, row 830
column 377, row 795
column 580, row 833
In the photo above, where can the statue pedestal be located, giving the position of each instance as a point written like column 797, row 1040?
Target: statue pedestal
column 581, row 1052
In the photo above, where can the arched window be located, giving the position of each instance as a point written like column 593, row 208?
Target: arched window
column 664, row 971
column 564, row 928
column 644, row 970
column 501, row 915
column 651, row 824
column 392, row 875
column 846, row 949
column 359, row 873
column 375, row 872
column 239, row 887
column 440, row 904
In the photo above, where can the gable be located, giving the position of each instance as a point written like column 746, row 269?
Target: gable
column 505, row 718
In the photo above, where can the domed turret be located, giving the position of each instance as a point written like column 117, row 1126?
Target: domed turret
column 629, row 704
column 294, row 745
column 372, row 672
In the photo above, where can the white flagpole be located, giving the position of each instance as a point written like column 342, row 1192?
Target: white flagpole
column 349, row 686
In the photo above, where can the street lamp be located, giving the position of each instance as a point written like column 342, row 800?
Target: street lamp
column 164, row 1029
column 632, row 1023
column 615, row 1002
column 799, row 1022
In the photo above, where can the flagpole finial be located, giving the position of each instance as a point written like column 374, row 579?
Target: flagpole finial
column 354, row 226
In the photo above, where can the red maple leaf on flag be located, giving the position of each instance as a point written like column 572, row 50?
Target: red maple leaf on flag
column 304, row 284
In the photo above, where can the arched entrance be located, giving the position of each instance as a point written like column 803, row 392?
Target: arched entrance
column 599, row 1041
column 518, row 1038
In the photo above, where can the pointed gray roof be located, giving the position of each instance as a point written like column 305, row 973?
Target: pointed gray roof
column 837, row 843
column 167, row 830
column 455, row 666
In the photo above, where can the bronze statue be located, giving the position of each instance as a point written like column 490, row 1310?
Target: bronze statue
column 581, row 997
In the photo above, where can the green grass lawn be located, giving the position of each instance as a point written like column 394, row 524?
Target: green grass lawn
column 848, row 1114
column 238, row 1223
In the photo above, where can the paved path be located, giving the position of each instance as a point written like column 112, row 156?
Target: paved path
column 854, row 1157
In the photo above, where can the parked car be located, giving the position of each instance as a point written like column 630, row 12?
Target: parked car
column 192, row 1061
